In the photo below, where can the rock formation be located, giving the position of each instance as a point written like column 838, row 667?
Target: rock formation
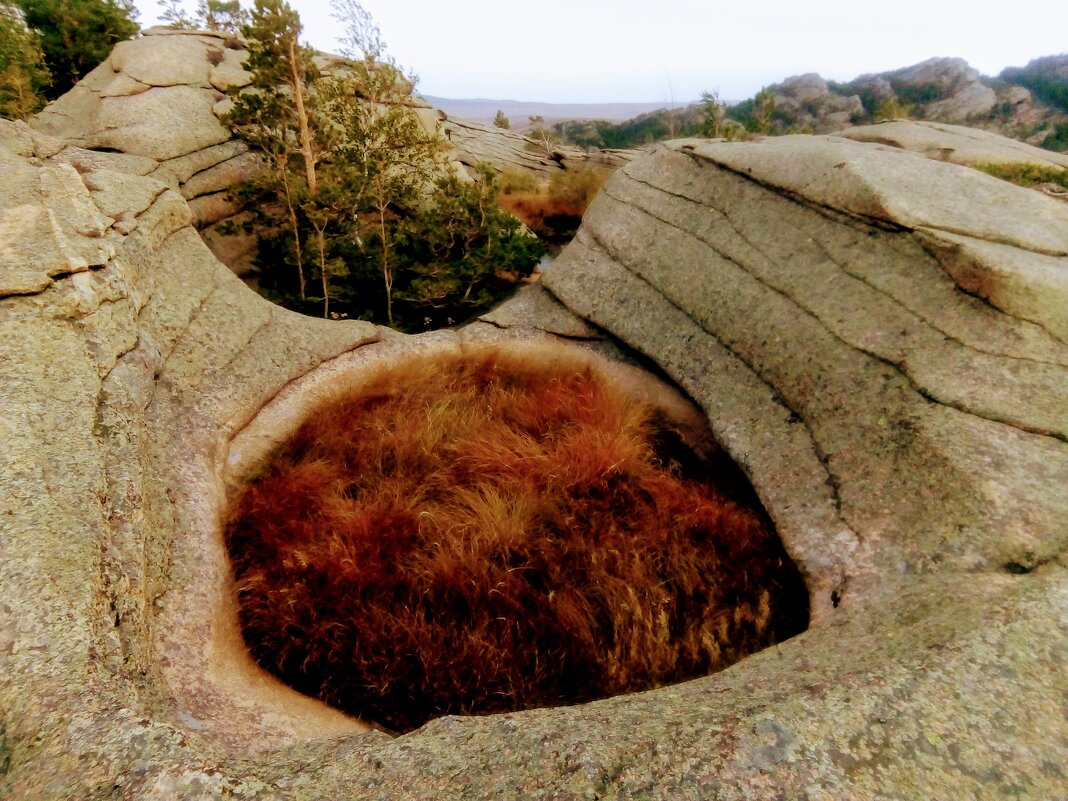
column 940, row 90
column 878, row 338
column 810, row 105
column 159, row 99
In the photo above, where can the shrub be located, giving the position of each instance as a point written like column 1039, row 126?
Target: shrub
column 491, row 532
column 554, row 212
column 76, row 36
column 1025, row 174
column 514, row 181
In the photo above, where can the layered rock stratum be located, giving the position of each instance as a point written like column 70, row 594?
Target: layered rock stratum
column 877, row 337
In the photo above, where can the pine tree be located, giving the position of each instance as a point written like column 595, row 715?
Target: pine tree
column 273, row 117
column 22, row 71
column 76, row 35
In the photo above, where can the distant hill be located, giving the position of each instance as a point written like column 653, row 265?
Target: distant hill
column 518, row 112
column 1027, row 103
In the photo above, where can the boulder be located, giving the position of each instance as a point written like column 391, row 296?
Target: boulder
column 955, row 143
column 949, row 88
column 170, row 61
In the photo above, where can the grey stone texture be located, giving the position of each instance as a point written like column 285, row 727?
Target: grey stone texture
column 877, row 338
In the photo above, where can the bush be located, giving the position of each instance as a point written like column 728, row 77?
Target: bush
column 1026, row 174
column 554, row 212
column 23, row 74
column 459, row 253
column 490, row 532
column 76, row 36
column 514, row 182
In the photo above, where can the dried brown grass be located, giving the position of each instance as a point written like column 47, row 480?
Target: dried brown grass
column 489, row 532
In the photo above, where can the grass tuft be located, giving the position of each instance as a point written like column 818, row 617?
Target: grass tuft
column 490, row 533
column 1026, row 174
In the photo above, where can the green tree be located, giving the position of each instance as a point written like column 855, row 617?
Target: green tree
column 212, row 15
column 763, row 109
column 713, row 115
column 541, row 138
column 455, row 249
column 175, row 15
column 22, row 71
column 222, row 15
column 355, row 180
column 501, row 121
column 76, row 35
column 274, row 117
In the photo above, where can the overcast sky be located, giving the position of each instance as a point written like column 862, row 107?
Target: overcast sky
column 671, row 50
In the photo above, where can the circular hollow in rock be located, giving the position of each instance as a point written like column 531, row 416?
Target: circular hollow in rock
column 486, row 532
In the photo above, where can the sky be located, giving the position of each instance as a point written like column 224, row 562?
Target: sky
column 580, row 51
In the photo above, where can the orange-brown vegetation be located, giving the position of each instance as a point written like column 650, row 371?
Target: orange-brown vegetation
column 492, row 532
column 553, row 211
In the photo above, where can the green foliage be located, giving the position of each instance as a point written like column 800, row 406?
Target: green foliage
column 345, row 195
column 1046, row 77
column 22, row 70
column 1058, row 139
column 713, row 115
column 76, row 35
column 514, row 181
column 920, row 95
column 1026, row 173
column 457, row 252
column 893, row 109
column 212, row 15
column 222, row 15
column 542, row 139
column 501, row 121
column 577, row 187
column 175, row 15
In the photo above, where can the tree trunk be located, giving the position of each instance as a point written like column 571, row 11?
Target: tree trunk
column 387, row 274
column 320, row 238
column 302, row 119
column 296, row 231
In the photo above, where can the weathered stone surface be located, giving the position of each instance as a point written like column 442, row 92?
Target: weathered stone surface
column 475, row 144
column 118, row 193
column 878, row 183
column 179, row 170
column 210, row 209
column 225, row 175
column 91, row 160
column 170, row 61
column 811, row 106
column 228, row 240
column 816, row 296
column 960, row 94
column 230, row 72
column 955, row 143
column 124, row 86
column 162, row 123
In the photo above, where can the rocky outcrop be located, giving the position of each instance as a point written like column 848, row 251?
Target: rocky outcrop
column 939, row 90
column 812, row 107
column 878, row 338
column 948, row 88
column 506, row 150
column 956, row 143
column 156, row 98
column 160, row 98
